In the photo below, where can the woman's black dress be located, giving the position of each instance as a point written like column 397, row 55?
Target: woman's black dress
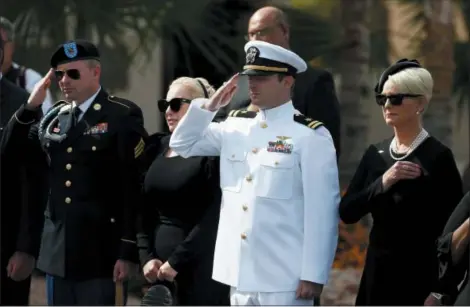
column 182, row 204
column 451, row 275
column 401, row 267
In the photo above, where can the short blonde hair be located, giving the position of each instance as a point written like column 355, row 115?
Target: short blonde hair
column 414, row 80
column 195, row 86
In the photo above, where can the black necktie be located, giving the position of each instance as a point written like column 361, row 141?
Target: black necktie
column 75, row 115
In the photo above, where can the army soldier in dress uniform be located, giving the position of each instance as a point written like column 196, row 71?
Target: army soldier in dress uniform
column 278, row 225
column 92, row 144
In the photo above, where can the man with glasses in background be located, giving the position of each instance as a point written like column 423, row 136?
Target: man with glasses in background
column 93, row 143
column 23, row 77
column 314, row 92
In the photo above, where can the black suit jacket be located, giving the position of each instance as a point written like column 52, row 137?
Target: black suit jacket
column 94, row 189
column 314, row 96
column 22, row 201
column 11, row 98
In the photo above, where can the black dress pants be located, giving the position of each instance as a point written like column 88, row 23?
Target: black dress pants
column 91, row 292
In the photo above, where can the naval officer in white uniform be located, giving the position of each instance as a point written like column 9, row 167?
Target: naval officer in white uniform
column 278, row 227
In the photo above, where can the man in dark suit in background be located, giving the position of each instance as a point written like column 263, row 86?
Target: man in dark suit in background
column 314, row 90
column 22, row 207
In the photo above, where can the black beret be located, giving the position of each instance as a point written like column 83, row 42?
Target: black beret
column 397, row 67
column 76, row 50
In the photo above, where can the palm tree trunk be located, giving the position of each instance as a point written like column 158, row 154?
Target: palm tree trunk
column 81, row 28
column 354, row 69
column 437, row 51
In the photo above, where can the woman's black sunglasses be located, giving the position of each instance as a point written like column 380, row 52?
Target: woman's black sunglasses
column 174, row 104
column 71, row 73
column 395, row 100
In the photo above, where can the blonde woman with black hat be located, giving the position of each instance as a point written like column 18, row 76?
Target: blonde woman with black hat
column 410, row 184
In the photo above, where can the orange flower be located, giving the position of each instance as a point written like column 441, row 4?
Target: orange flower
column 352, row 246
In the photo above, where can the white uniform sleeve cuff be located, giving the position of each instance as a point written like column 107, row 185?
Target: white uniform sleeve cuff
column 321, row 279
column 199, row 103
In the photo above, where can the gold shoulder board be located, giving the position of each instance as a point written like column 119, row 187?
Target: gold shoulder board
column 307, row 121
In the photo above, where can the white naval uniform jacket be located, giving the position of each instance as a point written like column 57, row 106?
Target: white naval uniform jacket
column 279, row 214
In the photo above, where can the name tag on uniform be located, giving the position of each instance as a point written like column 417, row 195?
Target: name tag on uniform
column 281, row 145
column 97, row 129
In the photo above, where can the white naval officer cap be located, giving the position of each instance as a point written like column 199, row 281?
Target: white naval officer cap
column 264, row 58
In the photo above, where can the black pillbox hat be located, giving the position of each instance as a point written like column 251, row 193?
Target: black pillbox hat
column 393, row 69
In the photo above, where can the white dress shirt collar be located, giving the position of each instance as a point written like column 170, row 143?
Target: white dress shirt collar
column 87, row 103
column 283, row 110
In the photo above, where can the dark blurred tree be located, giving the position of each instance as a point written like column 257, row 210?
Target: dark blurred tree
column 379, row 32
column 354, row 69
column 43, row 25
column 461, row 81
column 123, row 28
column 213, row 48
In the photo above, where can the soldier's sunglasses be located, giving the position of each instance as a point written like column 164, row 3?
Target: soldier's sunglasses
column 73, row 74
column 395, row 100
column 174, row 104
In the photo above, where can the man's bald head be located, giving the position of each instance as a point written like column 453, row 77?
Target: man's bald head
column 269, row 24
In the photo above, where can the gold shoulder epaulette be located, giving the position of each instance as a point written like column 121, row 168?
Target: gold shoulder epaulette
column 242, row 113
column 119, row 101
column 307, row 121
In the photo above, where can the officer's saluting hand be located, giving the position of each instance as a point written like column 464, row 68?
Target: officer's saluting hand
column 223, row 95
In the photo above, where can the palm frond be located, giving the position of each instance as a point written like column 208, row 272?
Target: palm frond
column 211, row 28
